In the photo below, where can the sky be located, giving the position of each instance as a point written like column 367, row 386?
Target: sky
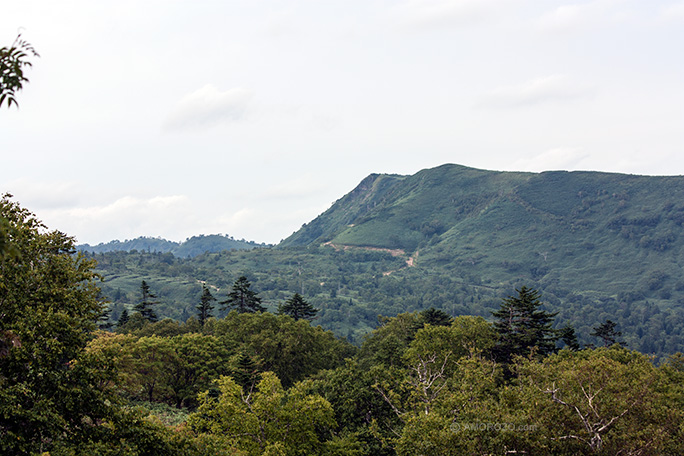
column 249, row 118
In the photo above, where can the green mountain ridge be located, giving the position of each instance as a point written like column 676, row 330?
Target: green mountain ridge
column 597, row 245
column 191, row 247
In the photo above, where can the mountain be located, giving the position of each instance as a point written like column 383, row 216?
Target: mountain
column 598, row 246
column 604, row 232
column 191, row 247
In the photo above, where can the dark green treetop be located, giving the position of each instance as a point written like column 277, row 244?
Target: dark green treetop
column 436, row 317
column 205, row 307
column 523, row 327
column 569, row 337
column 607, row 333
column 298, row 308
column 144, row 307
column 242, row 298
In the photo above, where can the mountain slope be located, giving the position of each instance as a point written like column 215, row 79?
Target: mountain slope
column 555, row 227
column 597, row 246
column 191, row 247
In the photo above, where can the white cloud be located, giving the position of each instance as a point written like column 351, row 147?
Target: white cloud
column 208, row 107
column 37, row 195
column 673, row 12
column 126, row 218
column 536, row 91
column 421, row 14
column 575, row 16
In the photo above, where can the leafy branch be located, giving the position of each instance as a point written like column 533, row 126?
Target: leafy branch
column 13, row 61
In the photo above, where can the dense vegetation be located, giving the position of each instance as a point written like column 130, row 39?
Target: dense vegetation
column 598, row 246
column 191, row 247
column 255, row 383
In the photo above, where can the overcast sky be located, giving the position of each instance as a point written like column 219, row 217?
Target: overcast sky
column 175, row 118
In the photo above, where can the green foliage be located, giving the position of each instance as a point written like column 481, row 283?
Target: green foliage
column 269, row 420
column 597, row 246
column 192, row 247
column 607, row 333
column 205, row 306
column 13, row 61
column 522, row 327
column 298, row 308
column 242, row 298
column 144, row 307
column 48, row 307
column 292, row 349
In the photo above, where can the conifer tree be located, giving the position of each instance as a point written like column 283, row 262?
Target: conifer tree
column 123, row 319
column 436, row 317
column 205, row 307
column 242, row 298
column 607, row 333
column 522, row 326
column 569, row 337
column 298, row 308
column 245, row 373
column 146, row 302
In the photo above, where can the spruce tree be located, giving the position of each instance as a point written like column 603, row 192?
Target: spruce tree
column 569, row 337
column 607, row 333
column 523, row 327
column 242, row 299
column 245, row 372
column 123, row 319
column 298, row 308
column 205, row 307
column 436, row 317
column 146, row 302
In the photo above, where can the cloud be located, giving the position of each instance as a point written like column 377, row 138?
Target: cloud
column 673, row 12
column 125, row 218
column 575, row 16
column 427, row 14
column 40, row 194
column 208, row 107
column 561, row 158
column 536, row 91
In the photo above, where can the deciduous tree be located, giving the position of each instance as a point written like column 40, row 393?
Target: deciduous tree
column 13, row 61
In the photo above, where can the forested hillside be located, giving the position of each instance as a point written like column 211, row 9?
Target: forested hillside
column 597, row 245
column 191, row 247
column 252, row 383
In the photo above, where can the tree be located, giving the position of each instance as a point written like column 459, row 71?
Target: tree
column 48, row 307
column 569, row 337
column 298, row 308
column 602, row 401
column 523, row 327
column 146, row 302
column 205, row 307
column 242, row 299
column 269, row 420
column 13, row 60
column 123, row 319
column 436, row 317
column 607, row 333
column 245, row 372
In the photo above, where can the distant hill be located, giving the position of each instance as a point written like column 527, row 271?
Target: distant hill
column 596, row 245
column 191, row 247
column 605, row 232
